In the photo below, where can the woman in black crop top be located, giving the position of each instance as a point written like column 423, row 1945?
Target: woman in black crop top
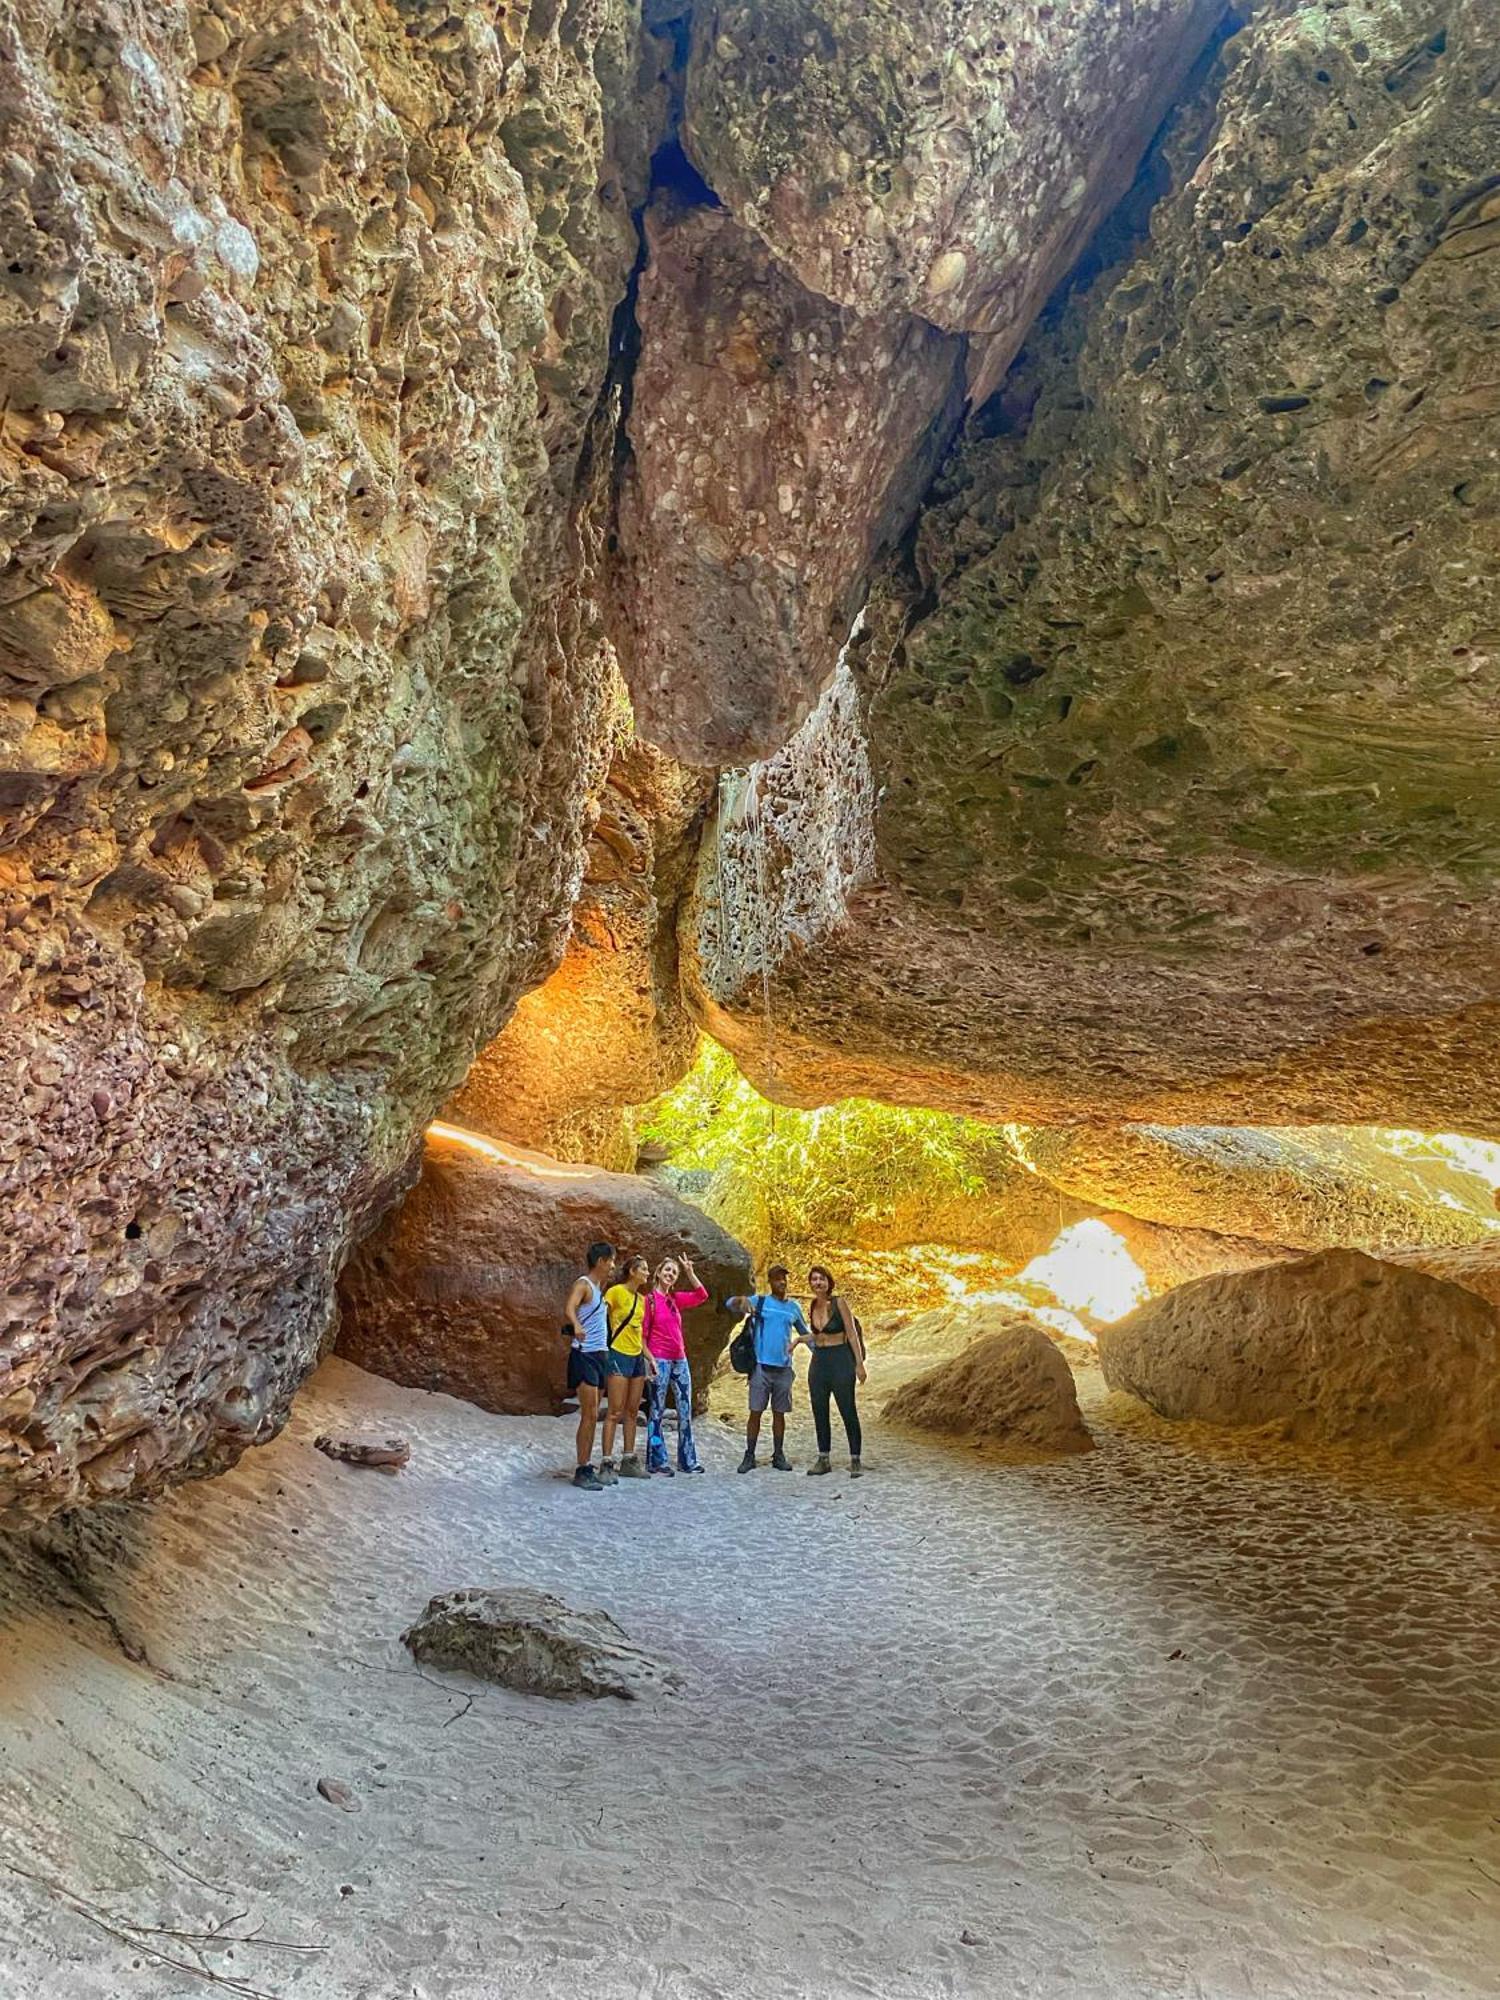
column 838, row 1363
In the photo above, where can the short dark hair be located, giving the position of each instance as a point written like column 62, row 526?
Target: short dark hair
column 778, row 1271
column 598, row 1252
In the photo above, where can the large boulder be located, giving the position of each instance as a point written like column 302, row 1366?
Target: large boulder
column 1177, row 709
column 304, row 316
column 1010, row 1386
column 1337, row 1347
column 951, row 162
column 462, row 1289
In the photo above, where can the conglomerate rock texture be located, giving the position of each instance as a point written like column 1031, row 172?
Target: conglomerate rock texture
column 303, row 318
column 951, row 162
column 777, row 443
column 877, row 182
column 1178, row 707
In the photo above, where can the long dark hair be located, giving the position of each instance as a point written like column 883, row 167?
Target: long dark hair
column 822, row 1271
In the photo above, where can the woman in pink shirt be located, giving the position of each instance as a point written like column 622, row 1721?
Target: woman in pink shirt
column 663, row 1307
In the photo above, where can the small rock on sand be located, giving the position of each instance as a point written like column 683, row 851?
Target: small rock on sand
column 389, row 1454
column 527, row 1640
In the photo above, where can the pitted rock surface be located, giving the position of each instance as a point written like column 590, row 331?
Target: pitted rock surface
column 951, row 161
column 1179, row 720
column 304, row 317
column 777, row 443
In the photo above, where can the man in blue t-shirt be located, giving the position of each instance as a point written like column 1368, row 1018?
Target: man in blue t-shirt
column 776, row 1318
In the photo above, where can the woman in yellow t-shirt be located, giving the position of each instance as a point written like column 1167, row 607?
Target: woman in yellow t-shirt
column 625, row 1305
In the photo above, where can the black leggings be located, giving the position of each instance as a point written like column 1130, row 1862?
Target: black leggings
column 832, row 1374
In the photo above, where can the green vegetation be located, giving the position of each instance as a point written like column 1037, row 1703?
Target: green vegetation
column 853, row 1171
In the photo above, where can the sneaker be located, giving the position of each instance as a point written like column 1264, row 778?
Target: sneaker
column 856, row 1470
column 747, row 1463
column 589, row 1480
column 823, row 1465
column 631, row 1468
column 662, row 1472
column 607, row 1474
column 780, row 1462
column 689, row 1470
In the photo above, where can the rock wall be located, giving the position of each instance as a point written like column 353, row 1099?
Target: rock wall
column 1311, row 1189
column 609, row 1027
column 1177, row 704
column 304, row 317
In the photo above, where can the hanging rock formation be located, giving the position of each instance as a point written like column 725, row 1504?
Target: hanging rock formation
column 304, row 316
column 1178, row 712
column 462, row 1289
column 885, row 179
column 777, row 442
column 1336, row 1348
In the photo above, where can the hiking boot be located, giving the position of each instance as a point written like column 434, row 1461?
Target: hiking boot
column 856, row 1470
column 631, row 1468
column 588, row 1480
column 824, row 1464
column 607, row 1474
column 780, row 1462
column 747, row 1463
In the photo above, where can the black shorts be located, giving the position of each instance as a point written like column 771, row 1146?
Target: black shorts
column 590, row 1369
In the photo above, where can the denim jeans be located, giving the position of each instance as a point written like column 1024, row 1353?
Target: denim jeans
column 674, row 1375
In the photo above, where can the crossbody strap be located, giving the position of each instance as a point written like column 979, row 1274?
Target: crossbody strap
column 616, row 1331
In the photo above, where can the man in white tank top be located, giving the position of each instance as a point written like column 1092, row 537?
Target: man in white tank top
column 588, row 1358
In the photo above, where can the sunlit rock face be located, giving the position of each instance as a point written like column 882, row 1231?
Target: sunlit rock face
column 1179, row 716
column 302, row 319
column 777, row 443
column 609, row 1027
column 1309, row 1189
column 1335, row 1348
column 462, row 1289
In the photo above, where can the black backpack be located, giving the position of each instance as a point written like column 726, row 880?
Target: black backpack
column 742, row 1347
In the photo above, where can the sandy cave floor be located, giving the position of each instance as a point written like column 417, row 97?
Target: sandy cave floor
column 1151, row 1723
